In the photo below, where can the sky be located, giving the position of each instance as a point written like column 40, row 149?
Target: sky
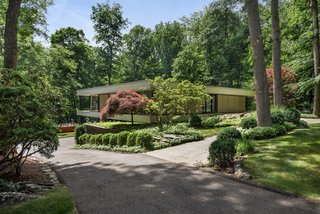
column 148, row 13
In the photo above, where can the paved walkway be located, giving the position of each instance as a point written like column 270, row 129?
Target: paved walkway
column 107, row 182
column 311, row 121
column 189, row 154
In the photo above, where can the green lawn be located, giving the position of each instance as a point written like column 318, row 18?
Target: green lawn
column 56, row 201
column 66, row 134
column 290, row 162
column 208, row 132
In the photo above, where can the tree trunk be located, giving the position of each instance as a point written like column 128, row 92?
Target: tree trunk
column 260, row 79
column 131, row 117
column 10, row 34
column 315, row 26
column 276, row 55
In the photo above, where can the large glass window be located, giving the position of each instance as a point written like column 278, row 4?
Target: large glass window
column 209, row 106
column 94, row 103
column 84, row 102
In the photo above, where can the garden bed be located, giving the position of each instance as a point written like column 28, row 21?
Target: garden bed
column 138, row 139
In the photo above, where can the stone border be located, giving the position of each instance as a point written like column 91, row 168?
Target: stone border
column 48, row 171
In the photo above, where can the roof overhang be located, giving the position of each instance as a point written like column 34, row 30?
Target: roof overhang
column 146, row 85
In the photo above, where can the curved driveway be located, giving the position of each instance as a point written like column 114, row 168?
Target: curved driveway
column 107, row 182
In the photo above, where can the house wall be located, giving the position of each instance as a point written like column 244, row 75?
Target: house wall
column 102, row 100
column 231, row 104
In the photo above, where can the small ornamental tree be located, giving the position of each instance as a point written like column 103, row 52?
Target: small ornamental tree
column 171, row 98
column 124, row 102
column 29, row 105
column 290, row 87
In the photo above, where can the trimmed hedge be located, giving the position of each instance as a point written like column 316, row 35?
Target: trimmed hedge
column 113, row 139
column 229, row 134
column 289, row 126
column 144, row 140
column 259, row 133
column 248, row 122
column 79, row 131
column 222, row 152
column 277, row 117
column 83, row 139
column 292, row 115
column 122, row 138
column 131, row 139
column 106, row 139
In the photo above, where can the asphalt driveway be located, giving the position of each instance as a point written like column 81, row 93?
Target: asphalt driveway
column 107, row 182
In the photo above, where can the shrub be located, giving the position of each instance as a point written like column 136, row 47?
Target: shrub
column 113, row 139
column 248, row 122
column 229, row 134
column 277, row 117
column 106, row 139
column 79, row 131
column 228, row 122
column 210, row 122
column 221, row 152
column 98, row 139
column 279, row 129
column 144, row 140
column 289, row 126
column 131, row 139
column 122, row 138
column 292, row 115
column 93, row 139
column 303, row 124
column 244, row 147
column 195, row 121
column 259, row 133
column 83, row 139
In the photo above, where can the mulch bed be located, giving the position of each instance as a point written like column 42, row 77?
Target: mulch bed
column 31, row 171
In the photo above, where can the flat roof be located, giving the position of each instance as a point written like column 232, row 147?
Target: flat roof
column 146, row 85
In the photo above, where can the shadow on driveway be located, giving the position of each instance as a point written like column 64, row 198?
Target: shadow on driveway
column 137, row 183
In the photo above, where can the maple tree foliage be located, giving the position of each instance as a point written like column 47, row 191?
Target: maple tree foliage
column 124, row 102
column 290, row 86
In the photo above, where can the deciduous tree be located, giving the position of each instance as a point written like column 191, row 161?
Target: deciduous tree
column 262, row 98
column 316, row 55
column 276, row 54
column 124, row 102
column 108, row 24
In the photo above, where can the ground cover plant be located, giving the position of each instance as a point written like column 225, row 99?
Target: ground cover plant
column 55, row 201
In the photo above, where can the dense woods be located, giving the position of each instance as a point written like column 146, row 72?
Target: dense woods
column 211, row 46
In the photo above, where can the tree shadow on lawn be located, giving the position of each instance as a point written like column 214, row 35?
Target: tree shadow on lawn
column 289, row 162
column 162, row 187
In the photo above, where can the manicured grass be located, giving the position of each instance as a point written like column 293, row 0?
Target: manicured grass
column 289, row 162
column 208, row 132
column 56, row 201
column 66, row 134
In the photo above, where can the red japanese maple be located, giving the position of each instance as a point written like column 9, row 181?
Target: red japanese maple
column 289, row 84
column 124, row 102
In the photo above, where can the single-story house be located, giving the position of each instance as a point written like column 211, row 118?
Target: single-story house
column 224, row 100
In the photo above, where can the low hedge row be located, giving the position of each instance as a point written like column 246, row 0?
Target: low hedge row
column 187, row 137
column 124, row 138
column 259, row 133
column 231, row 141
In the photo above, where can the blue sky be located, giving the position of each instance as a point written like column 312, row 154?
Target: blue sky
column 76, row 13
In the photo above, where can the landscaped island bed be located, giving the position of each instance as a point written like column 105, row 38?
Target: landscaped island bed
column 289, row 162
